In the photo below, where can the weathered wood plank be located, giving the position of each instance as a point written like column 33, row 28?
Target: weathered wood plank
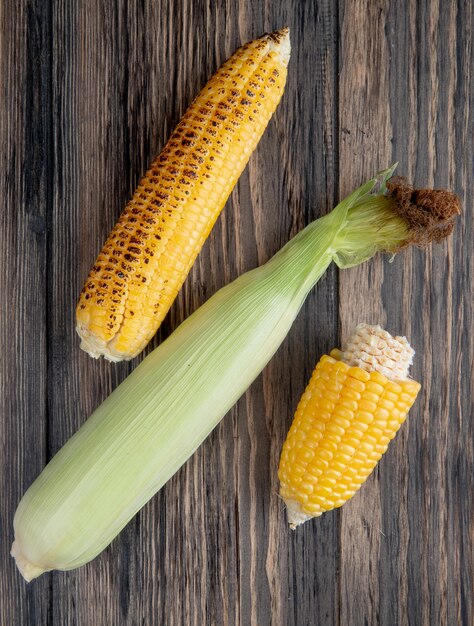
column 413, row 529
column 25, row 186
column 365, row 134
column 306, row 565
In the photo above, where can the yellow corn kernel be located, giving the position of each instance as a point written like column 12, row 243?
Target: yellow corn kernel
column 359, row 374
column 345, row 445
column 149, row 253
column 355, row 384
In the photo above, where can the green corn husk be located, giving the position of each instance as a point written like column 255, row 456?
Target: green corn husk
column 154, row 421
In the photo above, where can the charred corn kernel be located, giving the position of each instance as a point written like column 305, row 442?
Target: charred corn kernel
column 363, row 410
column 149, row 253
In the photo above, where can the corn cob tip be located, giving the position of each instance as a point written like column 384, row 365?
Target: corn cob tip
column 280, row 42
column 373, row 349
column 28, row 570
column 96, row 347
column 295, row 514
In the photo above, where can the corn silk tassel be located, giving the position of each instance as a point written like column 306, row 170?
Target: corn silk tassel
column 154, row 421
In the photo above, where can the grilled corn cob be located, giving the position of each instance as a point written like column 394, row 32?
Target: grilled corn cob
column 149, row 253
column 353, row 406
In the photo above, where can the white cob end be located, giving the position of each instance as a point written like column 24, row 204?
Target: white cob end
column 96, row 347
column 295, row 513
column 280, row 42
column 375, row 350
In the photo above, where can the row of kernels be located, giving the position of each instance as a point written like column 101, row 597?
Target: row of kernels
column 355, row 437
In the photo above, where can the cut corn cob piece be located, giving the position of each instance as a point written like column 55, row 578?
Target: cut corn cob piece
column 353, row 406
column 149, row 253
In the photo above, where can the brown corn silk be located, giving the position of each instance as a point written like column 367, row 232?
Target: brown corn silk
column 430, row 213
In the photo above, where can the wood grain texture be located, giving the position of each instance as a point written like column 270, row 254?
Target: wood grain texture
column 89, row 93
column 25, row 159
column 413, row 83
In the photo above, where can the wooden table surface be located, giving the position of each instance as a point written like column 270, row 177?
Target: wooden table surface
column 89, row 93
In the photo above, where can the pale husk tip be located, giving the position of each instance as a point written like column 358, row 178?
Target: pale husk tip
column 28, row 570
